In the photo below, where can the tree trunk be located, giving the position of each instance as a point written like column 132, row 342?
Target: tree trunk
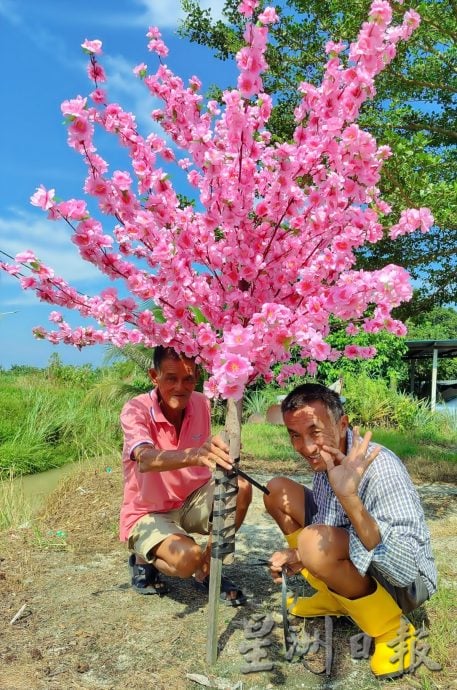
column 223, row 534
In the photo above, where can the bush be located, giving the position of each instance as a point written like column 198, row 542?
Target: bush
column 372, row 402
column 368, row 401
column 258, row 400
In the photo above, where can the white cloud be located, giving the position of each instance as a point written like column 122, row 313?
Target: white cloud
column 166, row 14
column 50, row 240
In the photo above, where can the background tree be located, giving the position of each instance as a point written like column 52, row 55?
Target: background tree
column 438, row 324
column 414, row 112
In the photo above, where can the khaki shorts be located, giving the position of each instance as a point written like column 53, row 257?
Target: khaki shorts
column 194, row 516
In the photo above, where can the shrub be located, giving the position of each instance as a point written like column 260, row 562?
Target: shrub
column 258, row 400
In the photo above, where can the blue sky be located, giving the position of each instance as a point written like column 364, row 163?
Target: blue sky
column 43, row 65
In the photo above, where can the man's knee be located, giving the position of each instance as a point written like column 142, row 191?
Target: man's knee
column 191, row 562
column 182, row 554
column 321, row 549
column 277, row 488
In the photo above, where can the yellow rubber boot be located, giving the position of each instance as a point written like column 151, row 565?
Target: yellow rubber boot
column 380, row 617
column 292, row 539
column 322, row 603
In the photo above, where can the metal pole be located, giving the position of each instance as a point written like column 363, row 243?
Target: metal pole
column 412, row 376
column 434, row 378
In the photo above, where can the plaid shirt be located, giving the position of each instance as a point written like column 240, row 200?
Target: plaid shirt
column 388, row 494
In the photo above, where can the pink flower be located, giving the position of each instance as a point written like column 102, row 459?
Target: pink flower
column 96, row 72
column 249, row 83
column 156, row 45
column 122, row 180
column 351, row 329
column 44, row 198
column 232, row 389
column 352, row 351
column 312, row 368
column 247, row 7
column 335, row 48
column 268, row 16
column 210, row 388
column 381, row 12
column 98, row 96
column 94, row 47
column 74, row 107
column 236, row 367
column 25, row 257
column 238, row 338
column 412, row 20
column 141, row 70
column 28, row 282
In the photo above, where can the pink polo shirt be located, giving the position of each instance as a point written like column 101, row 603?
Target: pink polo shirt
column 142, row 421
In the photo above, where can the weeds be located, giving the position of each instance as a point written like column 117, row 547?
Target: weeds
column 15, row 509
column 55, row 540
column 257, row 401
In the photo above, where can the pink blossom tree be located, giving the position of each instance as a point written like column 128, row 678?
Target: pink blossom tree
column 269, row 257
column 265, row 257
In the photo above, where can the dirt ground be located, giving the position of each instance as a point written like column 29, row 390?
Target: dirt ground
column 81, row 627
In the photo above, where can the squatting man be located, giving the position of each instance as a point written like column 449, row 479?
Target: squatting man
column 168, row 460
column 359, row 536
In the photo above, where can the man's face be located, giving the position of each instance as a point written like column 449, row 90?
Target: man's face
column 312, row 427
column 175, row 381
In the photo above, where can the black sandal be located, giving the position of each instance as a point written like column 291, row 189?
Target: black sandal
column 145, row 578
column 227, row 588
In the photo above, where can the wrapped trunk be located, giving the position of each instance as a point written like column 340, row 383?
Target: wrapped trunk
column 223, row 534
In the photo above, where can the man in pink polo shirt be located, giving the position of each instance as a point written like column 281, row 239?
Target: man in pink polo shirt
column 168, row 459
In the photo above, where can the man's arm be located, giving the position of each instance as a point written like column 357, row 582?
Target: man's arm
column 362, row 521
column 345, row 473
column 213, row 452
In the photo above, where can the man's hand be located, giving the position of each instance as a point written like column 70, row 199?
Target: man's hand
column 212, row 453
column 287, row 559
column 346, row 471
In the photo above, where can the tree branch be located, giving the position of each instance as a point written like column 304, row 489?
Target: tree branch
column 425, row 84
column 441, row 30
column 429, row 128
column 398, row 186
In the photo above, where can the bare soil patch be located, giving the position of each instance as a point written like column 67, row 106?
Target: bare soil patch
column 82, row 627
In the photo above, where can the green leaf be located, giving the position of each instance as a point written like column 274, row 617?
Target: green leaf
column 199, row 317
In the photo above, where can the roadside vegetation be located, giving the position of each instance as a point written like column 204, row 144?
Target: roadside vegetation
column 64, row 414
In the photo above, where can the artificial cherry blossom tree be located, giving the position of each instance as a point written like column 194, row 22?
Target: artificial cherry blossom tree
column 265, row 256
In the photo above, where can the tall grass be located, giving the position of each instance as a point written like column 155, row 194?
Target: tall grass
column 15, row 509
column 53, row 424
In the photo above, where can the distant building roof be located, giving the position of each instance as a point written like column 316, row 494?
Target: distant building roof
column 420, row 349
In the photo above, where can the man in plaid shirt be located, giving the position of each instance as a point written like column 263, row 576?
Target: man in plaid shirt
column 359, row 536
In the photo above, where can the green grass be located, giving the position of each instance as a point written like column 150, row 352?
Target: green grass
column 47, row 424
column 411, row 445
